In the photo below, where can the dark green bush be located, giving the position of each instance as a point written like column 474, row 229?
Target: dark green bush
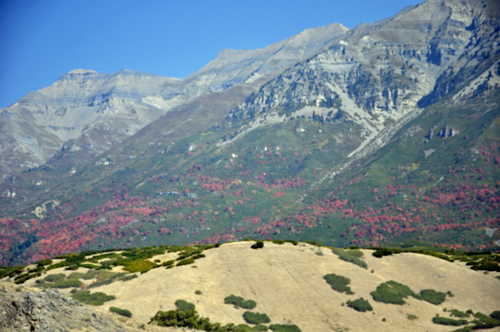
column 58, row 265
column 292, row 242
column 495, row 315
column 186, row 261
column 432, row 296
column 25, row 277
column 184, row 305
column 338, row 283
column 449, row 321
column 284, row 328
column 10, row 271
column 348, row 257
column 67, row 283
column 198, row 256
column 255, row 317
column 122, row 312
column 392, row 292
column 239, row 302
column 167, row 263
column 484, row 322
column 181, row 318
column 381, row 252
column 94, row 299
column 55, row 277
column 278, row 241
column 73, row 267
column 360, row 305
column 44, row 262
column 459, row 314
column 257, row 245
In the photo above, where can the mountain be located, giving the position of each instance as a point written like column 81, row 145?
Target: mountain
column 383, row 134
column 91, row 112
column 293, row 286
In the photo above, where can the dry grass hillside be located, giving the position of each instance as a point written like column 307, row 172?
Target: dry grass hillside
column 286, row 281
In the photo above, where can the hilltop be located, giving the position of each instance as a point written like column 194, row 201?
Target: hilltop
column 285, row 281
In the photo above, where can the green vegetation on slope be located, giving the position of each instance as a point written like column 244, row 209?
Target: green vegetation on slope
column 239, row 302
column 393, row 292
column 338, row 283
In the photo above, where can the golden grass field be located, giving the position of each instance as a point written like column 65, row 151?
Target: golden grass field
column 287, row 283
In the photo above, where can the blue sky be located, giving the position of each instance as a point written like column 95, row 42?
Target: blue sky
column 42, row 40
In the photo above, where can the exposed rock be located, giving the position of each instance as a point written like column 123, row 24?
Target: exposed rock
column 447, row 132
column 48, row 311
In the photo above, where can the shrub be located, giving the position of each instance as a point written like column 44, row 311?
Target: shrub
column 184, row 305
column 10, row 271
column 94, row 299
column 198, row 256
column 55, row 277
column 76, row 275
column 58, row 265
column 168, row 263
column 257, row 245
column 392, row 292
column 67, row 283
column 284, row 328
column 381, row 252
column 94, row 274
column 459, row 314
column 411, row 317
column 180, row 318
column 186, row 261
column 348, row 257
column 432, row 296
column 314, row 243
column 239, row 302
column 198, row 292
column 139, row 265
column 90, row 266
column 21, row 279
column 449, row 321
column 128, row 277
column 255, row 317
column 484, row 322
column 338, row 283
column 278, row 241
column 292, row 242
column 495, row 315
column 119, row 311
column 44, row 262
column 360, row 305
column 355, row 252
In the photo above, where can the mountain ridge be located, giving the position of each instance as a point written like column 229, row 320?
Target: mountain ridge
column 338, row 147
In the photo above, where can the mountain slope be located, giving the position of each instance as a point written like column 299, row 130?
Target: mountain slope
column 345, row 147
column 92, row 112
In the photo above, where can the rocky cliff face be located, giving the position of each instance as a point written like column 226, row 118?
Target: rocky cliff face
column 380, row 74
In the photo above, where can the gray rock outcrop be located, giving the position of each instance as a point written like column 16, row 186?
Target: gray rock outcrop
column 48, row 311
